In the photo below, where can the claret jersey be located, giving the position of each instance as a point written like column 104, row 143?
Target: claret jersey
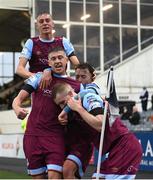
column 43, row 119
column 36, row 51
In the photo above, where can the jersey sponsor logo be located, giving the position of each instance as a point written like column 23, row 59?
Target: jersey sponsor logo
column 43, row 60
column 47, row 92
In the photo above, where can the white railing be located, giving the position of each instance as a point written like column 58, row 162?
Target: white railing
column 110, row 62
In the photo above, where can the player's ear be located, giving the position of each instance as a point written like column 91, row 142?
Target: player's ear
column 70, row 93
column 53, row 25
column 94, row 76
column 36, row 24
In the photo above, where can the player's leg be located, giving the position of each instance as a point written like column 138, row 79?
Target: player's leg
column 123, row 159
column 54, row 174
column 40, row 176
column 35, row 161
column 69, row 169
column 54, row 151
column 77, row 160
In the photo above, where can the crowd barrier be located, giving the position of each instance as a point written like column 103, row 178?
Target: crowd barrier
column 11, row 145
column 146, row 140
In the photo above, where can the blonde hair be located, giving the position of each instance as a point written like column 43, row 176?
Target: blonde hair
column 60, row 88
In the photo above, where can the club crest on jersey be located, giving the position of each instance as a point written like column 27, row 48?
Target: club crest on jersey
column 38, row 53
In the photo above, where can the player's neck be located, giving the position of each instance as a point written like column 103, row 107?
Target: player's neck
column 46, row 36
column 61, row 75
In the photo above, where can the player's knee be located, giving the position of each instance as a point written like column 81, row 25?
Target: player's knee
column 69, row 169
column 68, row 173
column 41, row 176
column 54, row 175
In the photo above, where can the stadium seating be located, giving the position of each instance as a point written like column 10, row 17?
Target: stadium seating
column 9, row 91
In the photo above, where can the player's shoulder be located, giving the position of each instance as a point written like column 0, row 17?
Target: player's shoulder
column 28, row 43
column 35, row 78
column 89, row 95
column 35, row 38
column 92, row 85
column 91, row 101
column 58, row 38
column 92, row 88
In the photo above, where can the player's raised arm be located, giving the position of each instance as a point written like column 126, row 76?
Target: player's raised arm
column 21, row 70
column 70, row 52
column 23, row 60
column 74, row 60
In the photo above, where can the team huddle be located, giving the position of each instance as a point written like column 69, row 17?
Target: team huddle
column 65, row 121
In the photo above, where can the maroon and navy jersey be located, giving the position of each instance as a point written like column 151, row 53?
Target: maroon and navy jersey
column 43, row 119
